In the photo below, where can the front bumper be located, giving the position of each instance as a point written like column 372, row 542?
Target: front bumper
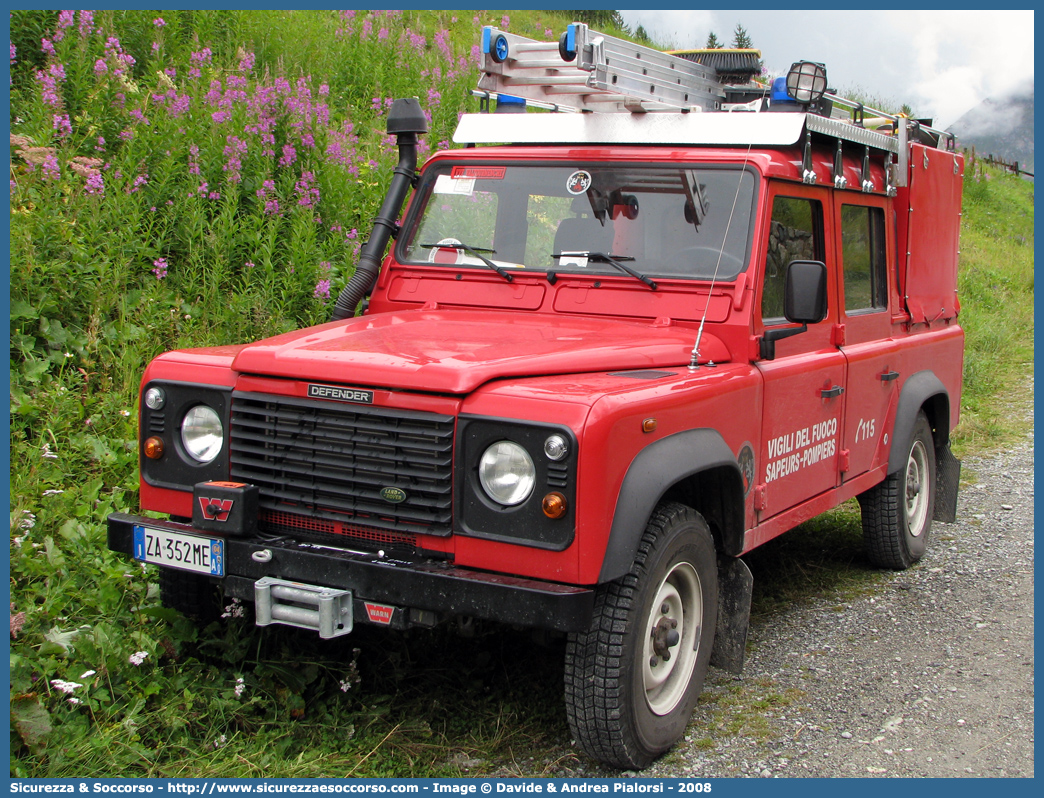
column 416, row 588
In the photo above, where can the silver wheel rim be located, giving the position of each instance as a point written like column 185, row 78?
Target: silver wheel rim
column 678, row 600
column 917, row 475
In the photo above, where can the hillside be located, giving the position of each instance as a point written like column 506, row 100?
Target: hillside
column 1002, row 127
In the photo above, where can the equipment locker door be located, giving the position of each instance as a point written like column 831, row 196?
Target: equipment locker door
column 804, row 392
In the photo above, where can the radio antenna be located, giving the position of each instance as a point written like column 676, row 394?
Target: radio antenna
column 694, row 362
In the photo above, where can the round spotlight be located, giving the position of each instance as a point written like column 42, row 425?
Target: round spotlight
column 806, row 82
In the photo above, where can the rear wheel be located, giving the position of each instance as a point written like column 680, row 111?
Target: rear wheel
column 897, row 513
column 632, row 679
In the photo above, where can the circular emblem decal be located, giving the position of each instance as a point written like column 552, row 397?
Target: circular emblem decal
column 578, row 182
column 746, row 464
column 393, row 495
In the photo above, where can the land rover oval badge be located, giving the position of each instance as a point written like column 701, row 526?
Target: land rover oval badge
column 393, row 495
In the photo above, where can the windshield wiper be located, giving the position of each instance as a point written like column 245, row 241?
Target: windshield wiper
column 477, row 253
column 613, row 260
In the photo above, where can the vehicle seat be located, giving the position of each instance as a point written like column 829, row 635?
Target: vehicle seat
column 583, row 234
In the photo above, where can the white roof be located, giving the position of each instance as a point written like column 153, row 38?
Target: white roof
column 737, row 129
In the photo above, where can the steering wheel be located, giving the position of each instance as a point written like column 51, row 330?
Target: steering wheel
column 683, row 261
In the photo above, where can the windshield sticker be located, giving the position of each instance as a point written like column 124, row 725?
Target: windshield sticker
column 578, row 182
column 578, row 259
column 480, row 172
column 446, row 184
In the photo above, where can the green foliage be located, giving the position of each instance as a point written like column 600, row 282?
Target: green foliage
column 741, row 39
column 712, row 42
column 600, row 19
column 995, row 287
column 164, row 209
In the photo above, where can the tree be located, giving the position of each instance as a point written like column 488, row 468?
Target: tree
column 597, row 18
column 642, row 35
column 741, row 39
column 712, row 42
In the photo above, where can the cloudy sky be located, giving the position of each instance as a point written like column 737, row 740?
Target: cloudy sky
column 942, row 63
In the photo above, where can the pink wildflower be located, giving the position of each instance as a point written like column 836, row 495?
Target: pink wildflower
column 62, row 125
column 50, row 168
column 86, row 23
column 95, row 184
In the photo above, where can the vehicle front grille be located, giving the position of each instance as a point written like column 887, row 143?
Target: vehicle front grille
column 321, row 468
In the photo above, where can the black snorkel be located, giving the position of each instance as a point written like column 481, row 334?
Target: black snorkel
column 405, row 121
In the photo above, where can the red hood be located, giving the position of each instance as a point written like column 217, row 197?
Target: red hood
column 456, row 351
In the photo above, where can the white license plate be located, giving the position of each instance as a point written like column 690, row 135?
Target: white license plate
column 180, row 550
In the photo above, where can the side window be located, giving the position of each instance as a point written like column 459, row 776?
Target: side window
column 863, row 256
column 796, row 233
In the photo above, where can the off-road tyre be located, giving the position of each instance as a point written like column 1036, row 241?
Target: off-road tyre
column 621, row 710
column 897, row 513
column 193, row 595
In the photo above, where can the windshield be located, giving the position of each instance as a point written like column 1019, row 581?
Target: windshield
column 664, row 221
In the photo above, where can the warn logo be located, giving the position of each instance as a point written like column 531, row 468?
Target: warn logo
column 379, row 613
column 215, row 509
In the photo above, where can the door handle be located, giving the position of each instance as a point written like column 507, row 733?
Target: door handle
column 830, row 393
column 888, row 376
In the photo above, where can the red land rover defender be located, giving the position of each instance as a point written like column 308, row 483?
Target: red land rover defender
column 612, row 349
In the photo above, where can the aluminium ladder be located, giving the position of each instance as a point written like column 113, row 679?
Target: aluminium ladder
column 590, row 71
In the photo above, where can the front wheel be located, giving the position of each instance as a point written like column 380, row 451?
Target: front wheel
column 632, row 679
column 897, row 513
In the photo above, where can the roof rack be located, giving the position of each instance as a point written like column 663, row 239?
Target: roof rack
column 586, row 71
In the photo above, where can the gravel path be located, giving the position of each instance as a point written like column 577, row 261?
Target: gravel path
column 930, row 674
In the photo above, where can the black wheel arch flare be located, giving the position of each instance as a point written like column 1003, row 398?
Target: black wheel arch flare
column 691, row 458
column 921, row 390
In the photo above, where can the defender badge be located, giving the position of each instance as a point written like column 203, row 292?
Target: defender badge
column 339, row 394
column 393, row 495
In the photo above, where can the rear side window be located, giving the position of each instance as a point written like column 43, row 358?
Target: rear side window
column 863, row 256
column 795, row 234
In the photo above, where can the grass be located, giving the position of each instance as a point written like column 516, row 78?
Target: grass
column 89, row 308
column 995, row 287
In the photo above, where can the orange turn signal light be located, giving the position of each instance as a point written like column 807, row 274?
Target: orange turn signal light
column 649, row 425
column 154, row 448
column 554, row 505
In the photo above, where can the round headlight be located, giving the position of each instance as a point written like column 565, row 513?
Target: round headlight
column 201, row 433
column 506, row 473
column 155, row 398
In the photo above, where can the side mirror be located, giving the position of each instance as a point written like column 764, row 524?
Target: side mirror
column 804, row 302
column 805, row 292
